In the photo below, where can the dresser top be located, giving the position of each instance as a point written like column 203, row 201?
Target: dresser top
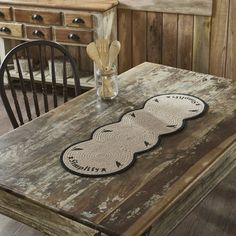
column 91, row 5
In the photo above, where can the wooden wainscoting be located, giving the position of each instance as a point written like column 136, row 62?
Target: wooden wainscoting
column 204, row 44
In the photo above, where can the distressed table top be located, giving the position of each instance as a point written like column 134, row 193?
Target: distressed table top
column 158, row 190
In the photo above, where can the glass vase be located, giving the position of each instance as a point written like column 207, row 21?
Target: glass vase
column 106, row 83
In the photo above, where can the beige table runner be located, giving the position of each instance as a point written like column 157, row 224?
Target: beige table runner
column 113, row 148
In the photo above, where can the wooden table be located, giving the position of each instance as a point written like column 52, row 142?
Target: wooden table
column 158, row 191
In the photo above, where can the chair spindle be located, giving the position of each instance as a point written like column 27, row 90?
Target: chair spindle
column 15, row 100
column 54, row 88
column 65, row 90
column 32, row 83
column 44, row 87
column 26, row 101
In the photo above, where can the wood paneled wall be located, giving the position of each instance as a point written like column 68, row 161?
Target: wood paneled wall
column 199, row 43
column 192, row 7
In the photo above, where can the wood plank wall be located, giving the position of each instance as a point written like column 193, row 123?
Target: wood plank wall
column 200, row 43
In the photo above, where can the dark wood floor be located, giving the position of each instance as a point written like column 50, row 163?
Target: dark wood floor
column 214, row 216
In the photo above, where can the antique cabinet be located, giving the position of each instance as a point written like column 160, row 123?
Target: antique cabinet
column 71, row 23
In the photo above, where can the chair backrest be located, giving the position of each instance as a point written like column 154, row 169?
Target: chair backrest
column 32, row 66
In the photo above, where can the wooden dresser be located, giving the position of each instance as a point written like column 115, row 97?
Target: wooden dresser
column 73, row 23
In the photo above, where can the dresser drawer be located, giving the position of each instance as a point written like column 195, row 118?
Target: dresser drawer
column 33, row 32
column 5, row 14
column 73, row 36
column 38, row 17
column 80, row 20
column 11, row 29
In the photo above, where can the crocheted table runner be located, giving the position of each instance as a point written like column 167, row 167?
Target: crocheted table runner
column 113, row 147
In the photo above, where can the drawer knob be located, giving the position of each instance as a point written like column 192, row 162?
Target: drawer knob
column 74, row 37
column 37, row 17
column 1, row 14
column 78, row 20
column 5, row 30
column 38, row 33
